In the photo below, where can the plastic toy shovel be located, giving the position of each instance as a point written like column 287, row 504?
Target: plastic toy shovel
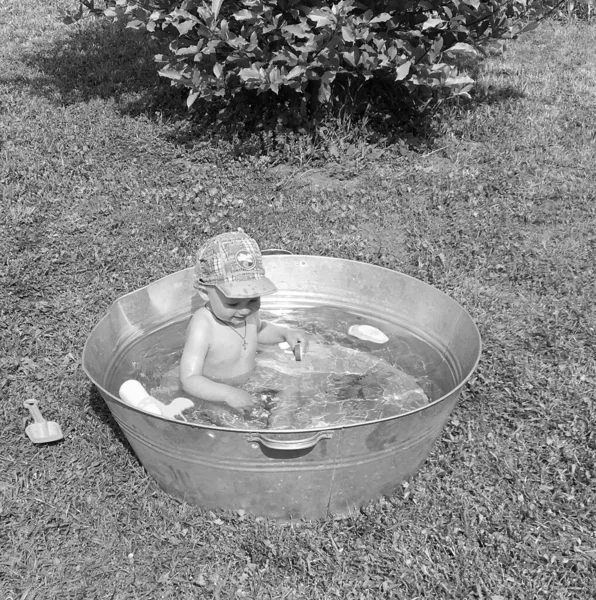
column 41, row 431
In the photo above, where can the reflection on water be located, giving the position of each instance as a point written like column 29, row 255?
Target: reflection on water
column 341, row 380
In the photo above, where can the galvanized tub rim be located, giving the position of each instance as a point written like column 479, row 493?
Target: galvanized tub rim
column 285, row 432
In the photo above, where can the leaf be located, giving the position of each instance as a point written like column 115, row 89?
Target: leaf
column 243, row 15
column 250, row 75
column 215, row 6
column 184, row 27
column 296, row 72
column 459, row 86
column 275, row 79
column 171, row 73
column 322, row 18
column 298, row 30
column 435, row 49
column 530, row 26
column 324, row 92
column 348, row 34
column 135, row 24
column 403, row 70
column 432, row 23
column 351, row 57
column 461, row 48
column 217, row 70
column 382, row 18
column 328, row 77
column 187, row 50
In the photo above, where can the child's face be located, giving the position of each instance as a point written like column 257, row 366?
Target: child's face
column 231, row 310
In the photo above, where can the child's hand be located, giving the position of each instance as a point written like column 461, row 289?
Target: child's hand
column 295, row 336
column 240, row 400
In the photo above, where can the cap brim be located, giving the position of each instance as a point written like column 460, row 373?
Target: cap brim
column 249, row 288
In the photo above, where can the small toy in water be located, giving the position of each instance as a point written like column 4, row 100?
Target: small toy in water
column 132, row 392
column 368, row 333
column 297, row 351
column 175, row 407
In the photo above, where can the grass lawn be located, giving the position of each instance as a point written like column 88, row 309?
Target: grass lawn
column 104, row 189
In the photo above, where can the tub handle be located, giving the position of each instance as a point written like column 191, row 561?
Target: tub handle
column 304, row 444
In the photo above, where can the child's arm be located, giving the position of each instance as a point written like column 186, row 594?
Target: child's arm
column 270, row 333
column 192, row 379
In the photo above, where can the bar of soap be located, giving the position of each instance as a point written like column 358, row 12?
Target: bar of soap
column 368, row 333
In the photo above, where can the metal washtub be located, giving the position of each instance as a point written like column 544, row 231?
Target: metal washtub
column 306, row 473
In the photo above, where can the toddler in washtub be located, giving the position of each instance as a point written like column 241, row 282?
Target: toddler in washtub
column 221, row 340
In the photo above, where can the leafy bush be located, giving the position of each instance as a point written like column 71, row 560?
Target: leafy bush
column 575, row 9
column 301, row 47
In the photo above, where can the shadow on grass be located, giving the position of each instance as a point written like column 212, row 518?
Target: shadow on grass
column 103, row 60
column 491, row 94
column 101, row 410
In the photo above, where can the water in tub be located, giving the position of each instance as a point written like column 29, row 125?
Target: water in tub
column 356, row 370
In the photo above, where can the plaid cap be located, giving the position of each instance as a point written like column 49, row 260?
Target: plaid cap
column 232, row 262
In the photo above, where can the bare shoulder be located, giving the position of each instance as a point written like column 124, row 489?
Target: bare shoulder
column 201, row 324
column 202, row 315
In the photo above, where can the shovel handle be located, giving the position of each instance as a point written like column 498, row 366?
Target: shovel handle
column 31, row 405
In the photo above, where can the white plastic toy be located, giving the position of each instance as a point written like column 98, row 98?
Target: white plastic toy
column 132, row 392
column 368, row 333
